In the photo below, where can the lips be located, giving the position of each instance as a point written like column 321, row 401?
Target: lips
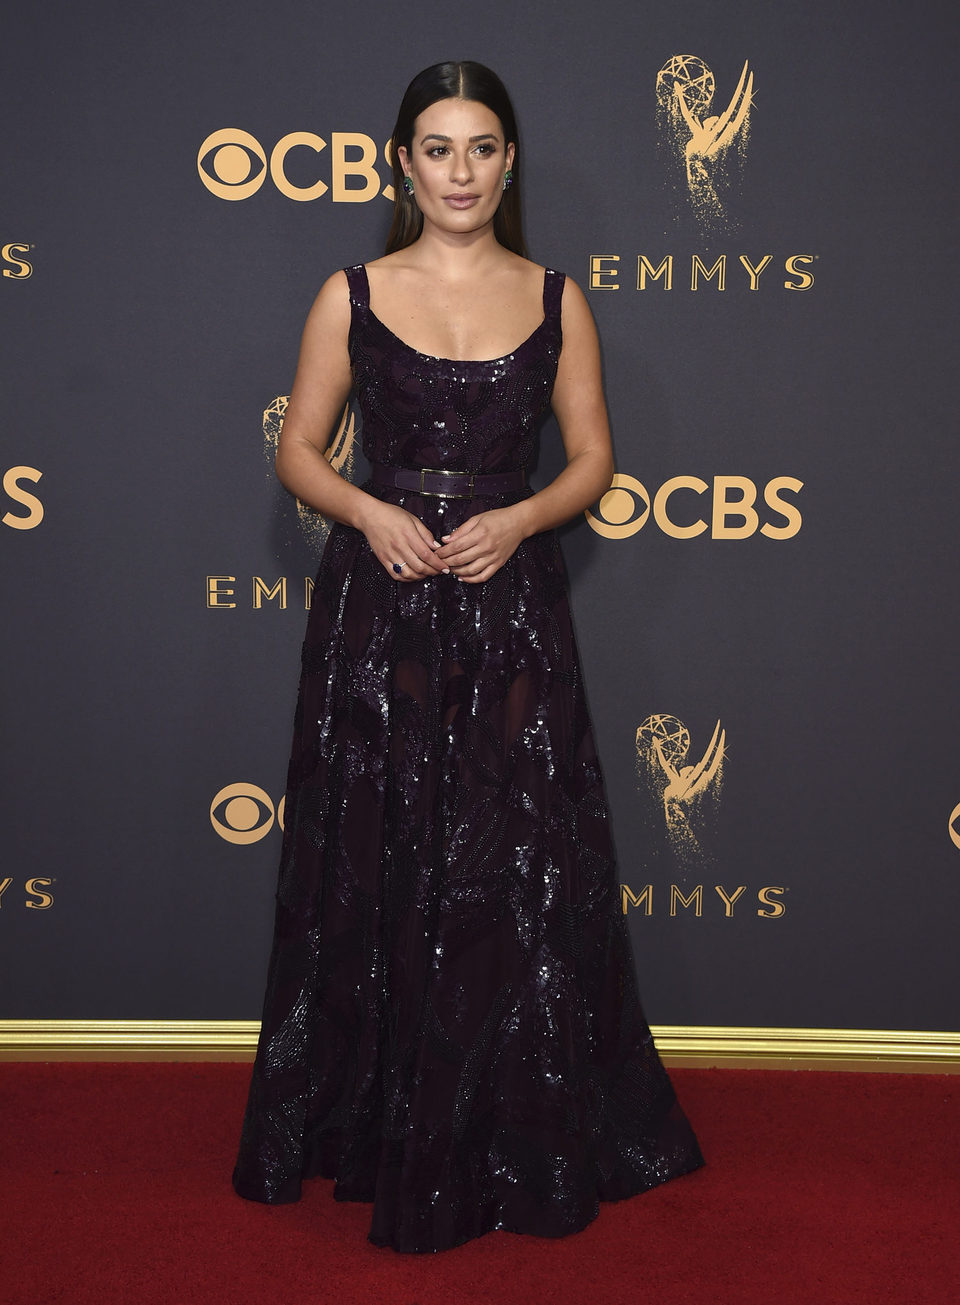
column 460, row 200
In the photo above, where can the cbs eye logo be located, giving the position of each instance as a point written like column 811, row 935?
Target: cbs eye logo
column 623, row 510
column 233, row 165
column 730, row 512
column 244, row 813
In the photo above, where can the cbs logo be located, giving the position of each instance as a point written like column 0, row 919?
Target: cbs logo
column 244, row 813
column 953, row 826
column 14, row 490
column 233, row 165
column 679, row 509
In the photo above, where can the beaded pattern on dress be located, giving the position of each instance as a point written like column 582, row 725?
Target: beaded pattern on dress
column 451, row 1028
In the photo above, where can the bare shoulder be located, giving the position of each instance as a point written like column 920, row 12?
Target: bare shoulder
column 401, row 260
column 574, row 300
column 399, row 257
column 331, row 308
column 518, row 280
column 576, row 315
column 334, row 294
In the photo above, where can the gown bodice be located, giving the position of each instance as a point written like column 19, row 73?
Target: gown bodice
column 422, row 411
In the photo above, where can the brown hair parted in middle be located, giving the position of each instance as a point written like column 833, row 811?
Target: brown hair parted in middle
column 454, row 81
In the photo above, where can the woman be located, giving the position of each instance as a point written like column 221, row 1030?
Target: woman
column 451, row 1028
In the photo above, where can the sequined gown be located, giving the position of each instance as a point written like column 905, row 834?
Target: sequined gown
column 451, row 1028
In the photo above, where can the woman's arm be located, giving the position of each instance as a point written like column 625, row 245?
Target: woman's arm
column 478, row 548
column 581, row 412
column 320, row 389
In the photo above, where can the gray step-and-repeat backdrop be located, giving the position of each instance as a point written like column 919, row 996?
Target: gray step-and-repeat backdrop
column 755, row 198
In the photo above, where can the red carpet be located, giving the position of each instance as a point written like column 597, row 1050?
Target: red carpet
column 819, row 1187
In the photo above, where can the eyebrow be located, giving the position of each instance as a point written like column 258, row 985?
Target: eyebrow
column 487, row 135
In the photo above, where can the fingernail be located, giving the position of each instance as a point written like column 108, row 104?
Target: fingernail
column 445, row 538
column 446, row 570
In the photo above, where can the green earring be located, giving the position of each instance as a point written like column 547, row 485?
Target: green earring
column 508, row 179
column 407, row 186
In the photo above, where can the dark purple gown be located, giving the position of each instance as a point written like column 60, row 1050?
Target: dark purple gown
column 451, row 1028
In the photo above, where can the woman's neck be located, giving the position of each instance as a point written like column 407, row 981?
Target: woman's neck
column 456, row 256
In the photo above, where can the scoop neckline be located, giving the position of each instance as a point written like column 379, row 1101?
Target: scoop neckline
column 455, row 362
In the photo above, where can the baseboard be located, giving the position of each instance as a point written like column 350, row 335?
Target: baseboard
column 744, row 1048
column 128, row 1039
column 893, row 1051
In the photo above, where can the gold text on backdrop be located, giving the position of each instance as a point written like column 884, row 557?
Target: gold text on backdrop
column 17, row 266
column 627, row 504
column 14, row 490
column 604, row 272
column 691, row 901
column 37, row 898
column 221, row 593
column 233, row 165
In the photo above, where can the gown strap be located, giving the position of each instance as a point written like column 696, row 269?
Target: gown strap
column 359, row 300
column 359, row 287
column 552, row 295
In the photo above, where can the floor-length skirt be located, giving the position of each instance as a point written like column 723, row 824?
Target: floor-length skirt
column 452, row 1029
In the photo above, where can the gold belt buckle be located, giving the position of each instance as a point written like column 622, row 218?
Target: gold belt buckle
column 439, row 471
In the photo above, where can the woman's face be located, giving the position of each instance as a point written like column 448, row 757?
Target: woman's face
column 457, row 161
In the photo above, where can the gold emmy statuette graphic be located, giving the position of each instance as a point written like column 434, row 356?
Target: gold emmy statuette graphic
column 685, row 87
column 684, row 790
column 340, row 454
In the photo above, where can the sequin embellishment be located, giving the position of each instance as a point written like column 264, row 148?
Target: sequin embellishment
column 451, row 1028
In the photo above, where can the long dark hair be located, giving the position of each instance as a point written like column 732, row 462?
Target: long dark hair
column 454, row 81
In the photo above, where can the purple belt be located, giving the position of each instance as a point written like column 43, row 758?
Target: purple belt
column 432, row 483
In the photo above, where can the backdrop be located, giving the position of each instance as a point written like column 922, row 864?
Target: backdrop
column 755, row 198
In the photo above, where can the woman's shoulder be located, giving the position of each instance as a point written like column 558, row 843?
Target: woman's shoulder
column 332, row 303
column 337, row 284
column 343, row 287
column 401, row 260
column 555, row 282
column 566, row 289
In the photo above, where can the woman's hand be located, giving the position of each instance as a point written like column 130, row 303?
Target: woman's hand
column 478, row 548
column 397, row 536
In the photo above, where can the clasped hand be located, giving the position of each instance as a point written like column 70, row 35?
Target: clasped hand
column 473, row 552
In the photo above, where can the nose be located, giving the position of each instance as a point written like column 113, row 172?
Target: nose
column 461, row 170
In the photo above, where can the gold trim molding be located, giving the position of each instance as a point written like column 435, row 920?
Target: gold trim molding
column 743, row 1048
column 893, row 1051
